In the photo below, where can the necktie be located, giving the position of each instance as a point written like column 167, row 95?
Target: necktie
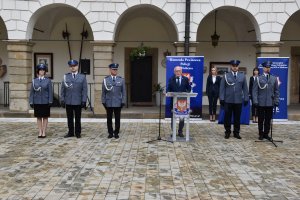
column 40, row 79
column 74, row 76
column 234, row 75
column 267, row 76
column 114, row 78
column 177, row 81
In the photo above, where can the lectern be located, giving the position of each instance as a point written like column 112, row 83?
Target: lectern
column 181, row 109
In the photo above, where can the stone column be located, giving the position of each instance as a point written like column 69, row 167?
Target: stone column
column 103, row 56
column 20, row 74
column 180, row 48
column 268, row 49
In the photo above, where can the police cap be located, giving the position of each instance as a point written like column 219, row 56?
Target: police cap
column 235, row 62
column 113, row 66
column 41, row 66
column 267, row 64
column 73, row 62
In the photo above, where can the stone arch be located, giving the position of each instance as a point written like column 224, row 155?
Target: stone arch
column 54, row 13
column 3, row 59
column 290, row 47
column 150, row 26
column 226, row 16
column 237, row 38
column 148, row 11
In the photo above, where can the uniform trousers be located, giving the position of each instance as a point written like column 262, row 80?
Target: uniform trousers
column 265, row 114
column 236, row 110
column 253, row 109
column 109, row 114
column 71, row 109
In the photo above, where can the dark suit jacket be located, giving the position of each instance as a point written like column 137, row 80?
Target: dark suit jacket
column 212, row 89
column 251, row 82
column 184, row 86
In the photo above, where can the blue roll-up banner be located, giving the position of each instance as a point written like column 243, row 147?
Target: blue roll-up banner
column 279, row 69
column 192, row 67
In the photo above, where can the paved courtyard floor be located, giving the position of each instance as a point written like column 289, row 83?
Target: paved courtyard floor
column 94, row 167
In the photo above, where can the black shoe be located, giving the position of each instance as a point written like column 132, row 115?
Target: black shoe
column 116, row 135
column 261, row 137
column 110, row 136
column 227, row 135
column 180, row 135
column 68, row 135
column 267, row 137
column 78, row 136
column 237, row 136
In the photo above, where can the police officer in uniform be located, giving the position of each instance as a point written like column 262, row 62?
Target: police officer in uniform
column 113, row 99
column 73, row 97
column 265, row 94
column 233, row 93
column 41, row 98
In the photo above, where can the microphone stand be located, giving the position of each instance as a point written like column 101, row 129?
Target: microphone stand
column 159, row 122
column 271, row 138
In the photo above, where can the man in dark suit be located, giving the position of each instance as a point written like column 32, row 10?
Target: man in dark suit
column 233, row 93
column 265, row 95
column 178, row 83
column 73, row 97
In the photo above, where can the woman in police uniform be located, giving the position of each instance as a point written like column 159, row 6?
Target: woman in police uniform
column 41, row 98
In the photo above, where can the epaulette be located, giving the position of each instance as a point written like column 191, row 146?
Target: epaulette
column 107, row 76
column 68, row 73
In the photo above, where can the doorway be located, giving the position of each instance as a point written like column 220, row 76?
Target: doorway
column 141, row 80
column 140, row 76
column 295, row 76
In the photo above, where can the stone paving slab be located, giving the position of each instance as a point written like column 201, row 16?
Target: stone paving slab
column 94, row 167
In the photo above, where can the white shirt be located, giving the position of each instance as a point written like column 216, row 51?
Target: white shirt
column 112, row 77
column 179, row 78
column 214, row 78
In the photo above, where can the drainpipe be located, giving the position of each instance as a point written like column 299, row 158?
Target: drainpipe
column 187, row 27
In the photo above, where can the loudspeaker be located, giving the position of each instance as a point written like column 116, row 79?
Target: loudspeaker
column 85, row 66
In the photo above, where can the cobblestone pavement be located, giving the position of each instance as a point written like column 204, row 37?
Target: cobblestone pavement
column 94, row 167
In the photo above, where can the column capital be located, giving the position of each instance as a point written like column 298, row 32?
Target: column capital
column 19, row 45
column 180, row 48
column 103, row 43
column 268, row 49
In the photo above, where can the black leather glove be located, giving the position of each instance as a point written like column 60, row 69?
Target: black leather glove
column 122, row 105
column 222, row 103
column 31, row 105
column 63, row 104
column 49, row 104
column 276, row 104
column 83, row 105
column 104, row 105
column 245, row 103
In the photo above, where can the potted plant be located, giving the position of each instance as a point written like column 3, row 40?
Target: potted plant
column 139, row 52
column 158, row 89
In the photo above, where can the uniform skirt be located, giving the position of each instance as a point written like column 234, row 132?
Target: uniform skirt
column 41, row 110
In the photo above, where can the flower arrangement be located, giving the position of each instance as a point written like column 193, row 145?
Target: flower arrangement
column 139, row 52
column 158, row 87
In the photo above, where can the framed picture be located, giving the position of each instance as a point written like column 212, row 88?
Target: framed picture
column 47, row 59
column 222, row 67
column 243, row 69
